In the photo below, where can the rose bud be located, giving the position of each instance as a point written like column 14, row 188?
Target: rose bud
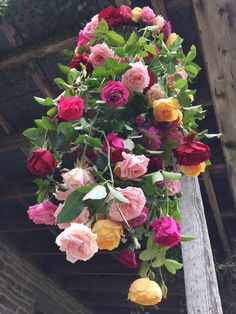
column 41, row 162
column 139, row 120
column 167, row 231
column 128, row 257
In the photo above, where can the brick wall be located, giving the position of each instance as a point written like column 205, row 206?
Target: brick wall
column 25, row 290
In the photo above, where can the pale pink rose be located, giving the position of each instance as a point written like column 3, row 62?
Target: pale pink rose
column 173, row 186
column 130, row 210
column 132, row 166
column 95, row 19
column 159, row 22
column 82, row 218
column 147, row 15
column 62, row 195
column 155, row 93
column 42, row 213
column 77, row 177
column 99, row 53
column 136, row 78
column 78, row 241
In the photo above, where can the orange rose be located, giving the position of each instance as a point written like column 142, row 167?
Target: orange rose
column 193, row 171
column 144, row 291
column 166, row 109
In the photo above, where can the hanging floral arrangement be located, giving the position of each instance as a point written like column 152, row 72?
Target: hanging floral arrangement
column 110, row 152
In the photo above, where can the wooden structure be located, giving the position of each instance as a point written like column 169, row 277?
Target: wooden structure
column 101, row 283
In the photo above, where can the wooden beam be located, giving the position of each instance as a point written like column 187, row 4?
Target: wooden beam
column 220, row 54
column 12, row 141
column 20, row 226
column 37, row 53
column 173, row 5
column 17, row 189
column 159, row 7
column 199, row 270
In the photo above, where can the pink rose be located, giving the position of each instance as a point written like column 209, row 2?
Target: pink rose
column 136, row 78
column 42, row 213
column 140, row 220
column 78, row 241
column 152, row 139
column 99, row 53
column 62, row 195
column 167, row 231
column 116, row 146
column 115, row 94
column 130, row 210
column 159, row 22
column 132, row 166
column 87, row 34
column 82, row 218
column 71, row 108
column 126, row 13
column 166, row 30
column 147, row 15
column 77, row 177
column 155, row 93
column 173, row 186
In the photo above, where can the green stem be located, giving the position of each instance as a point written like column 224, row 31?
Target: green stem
column 109, row 158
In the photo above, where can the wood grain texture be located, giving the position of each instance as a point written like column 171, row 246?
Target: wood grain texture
column 216, row 20
column 159, row 7
column 201, row 286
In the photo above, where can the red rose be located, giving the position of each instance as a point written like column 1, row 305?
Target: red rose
column 111, row 15
column 155, row 163
column 84, row 59
column 152, row 80
column 126, row 13
column 41, row 162
column 70, row 108
column 128, row 257
column 192, row 153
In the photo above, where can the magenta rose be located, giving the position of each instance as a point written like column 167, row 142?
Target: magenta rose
column 128, row 257
column 71, row 108
column 152, row 139
column 167, row 231
column 84, row 59
column 42, row 213
column 137, row 78
column 87, row 34
column 116, row 146
column 147, row 15
column 41, row 162
column 140, row 220
column 130, row 210
column 99, row 53
column 166, row 30
column 115, row 94
column 126, row 13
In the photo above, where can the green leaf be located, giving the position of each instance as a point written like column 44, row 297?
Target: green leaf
column 186, row 238
column 172, row 265
column 191, row 55
column 95, row 142
column 45, row 123
column 63, row 68
column 39, row 100
column 61, row 83
column 147, row 255
column 34, row 133
column 110, row 63
column 180, row 84
column 72, row 208
column 159, row 260
column 101, row 72
column 128, row 144
column 97, row 193
column 118, row 196
column 150, row 49
column 156, row 176
column 103, row 26
column 115, row 38
column 132, row 39
column 172, row 175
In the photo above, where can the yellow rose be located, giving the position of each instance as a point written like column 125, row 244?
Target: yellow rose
column 144, row 291
column 108, row 234
column 193, row 171
column 171, row 40
column 166, row 109
column 136, row 14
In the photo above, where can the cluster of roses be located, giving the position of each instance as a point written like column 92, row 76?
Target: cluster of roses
column 126, row 207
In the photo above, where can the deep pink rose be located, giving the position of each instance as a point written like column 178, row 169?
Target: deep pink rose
column 136, row 78
column 175, row 134
column 128, row 257
column 132, row 166
column 42, row 213
column 71, row 108
column 126, row 13
column 82, row 218
column 87, row 34
column 147, row 15
column 140, row 220
column 99, row 53
column 130, row 210
column 167, row 231
column 152, row 139
column 166, row 30
column 84, row 59
column 77, row 177
column 78, row 241
column 116, row 147
column 41, row 162
column 115, row 94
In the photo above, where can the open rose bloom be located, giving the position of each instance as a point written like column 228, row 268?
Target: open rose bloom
column 109, row 153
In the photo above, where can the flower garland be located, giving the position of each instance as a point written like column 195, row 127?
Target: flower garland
column 110, row 151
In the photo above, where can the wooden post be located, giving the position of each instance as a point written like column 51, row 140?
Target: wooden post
column 201, row 286
column 216, row 20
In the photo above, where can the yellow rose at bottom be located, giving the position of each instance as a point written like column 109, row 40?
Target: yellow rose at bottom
column 193, row 171
column 144, row 291
column 108, row 234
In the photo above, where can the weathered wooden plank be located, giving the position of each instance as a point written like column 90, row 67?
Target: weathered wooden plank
column 159, row 7
column 217, row 27
column 199, row 271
